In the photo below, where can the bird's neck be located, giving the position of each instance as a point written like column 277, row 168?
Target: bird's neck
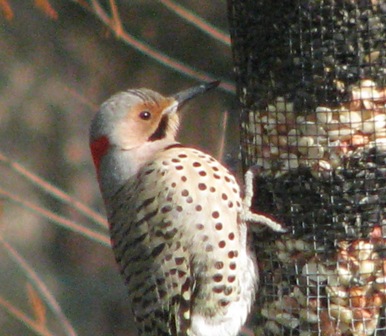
column 117, row 165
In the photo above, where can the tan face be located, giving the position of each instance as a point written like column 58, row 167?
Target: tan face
column 140, row 122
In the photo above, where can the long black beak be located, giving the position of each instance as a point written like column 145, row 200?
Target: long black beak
column 184, row 96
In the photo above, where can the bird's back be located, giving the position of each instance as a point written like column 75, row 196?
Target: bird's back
column 181, row 246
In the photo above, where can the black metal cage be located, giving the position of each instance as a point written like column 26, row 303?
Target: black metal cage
column 311, row 78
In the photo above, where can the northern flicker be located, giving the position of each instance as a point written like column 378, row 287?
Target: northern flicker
column 177, row 221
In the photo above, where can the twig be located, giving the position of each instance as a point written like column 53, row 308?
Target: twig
column 197, row 21
column 160, row 57
column 6, row 10
column 46, row 8
column 59, row 220
column 117, row 23
column 53, row 191
column 40, row 286
column 27, row 321
column 220, row 154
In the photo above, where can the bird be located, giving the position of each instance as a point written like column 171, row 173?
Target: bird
column 177, row 221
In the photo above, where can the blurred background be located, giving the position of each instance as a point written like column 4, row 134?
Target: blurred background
column 58, row 62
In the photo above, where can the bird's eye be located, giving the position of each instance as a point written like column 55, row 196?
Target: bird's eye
column 145, row 115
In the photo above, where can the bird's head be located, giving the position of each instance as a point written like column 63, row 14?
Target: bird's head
column 133, row 118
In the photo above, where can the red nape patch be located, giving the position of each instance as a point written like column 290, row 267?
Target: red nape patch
column 99, row 148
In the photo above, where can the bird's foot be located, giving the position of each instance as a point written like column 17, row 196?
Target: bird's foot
column 250, row 216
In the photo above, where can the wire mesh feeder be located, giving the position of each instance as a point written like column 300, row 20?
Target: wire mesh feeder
column 311, row 80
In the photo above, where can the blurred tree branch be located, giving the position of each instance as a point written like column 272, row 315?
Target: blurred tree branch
column 53, row 191
column 42, row 5
column 196, row 21
column 6, row 9
column 113, row 22
column 37, row 304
